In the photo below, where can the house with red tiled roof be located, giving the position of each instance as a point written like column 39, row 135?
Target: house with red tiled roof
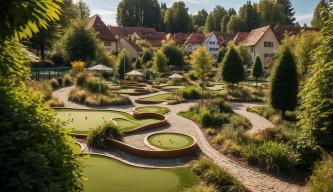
column 178, row 38
column 131, row 47
column 280, row 32
column 194, row 41
column 240, row 36
column 103, row 33
column 155, row 39
column 262, row 42
column 216, row 40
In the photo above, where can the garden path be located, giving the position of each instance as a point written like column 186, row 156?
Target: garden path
column 251, row 178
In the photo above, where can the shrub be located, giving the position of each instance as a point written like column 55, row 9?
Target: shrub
column 209, row 119
column 82, row 78
column 54, row 83
column 55, row 102
column 97, row 137
column 78, row 66
column 60, row 81
column 93, row 85
column 217, row 176
column 273, row 156
column 77, row 95
column 43, row 87
column 322, row 177
column 68, row 81
column 218, row 106
column 202, row 187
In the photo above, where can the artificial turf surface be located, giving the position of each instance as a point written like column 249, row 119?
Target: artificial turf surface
column 81, row 121
column 109, row 175
column 153, row 109
column 157, row 98
column 170, row 141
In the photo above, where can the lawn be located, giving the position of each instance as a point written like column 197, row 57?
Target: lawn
column 156, row 98
column 153, row 109
column 109, row 175
column 81, row 121
column 169, row 141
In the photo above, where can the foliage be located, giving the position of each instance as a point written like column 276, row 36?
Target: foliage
column 210, row 24
column 322, row 177
column 138, row 13
column 320, row 14
column 80, row 44
column 189, row 93
column 174, row 55
column 43, row 87
column 235, row 24
column 271, row 13
column 123, row 65
column 218, row 14
column 284, row 82
column 97, row 136
column 221, row 55
column 288, row 11
column 202, row 187
column 55, row 102
column 257, row 70
column 54, row 83
column 232, row 68
column 208, row 119
column 41, row 153
column 244, row 52
column 147, row 55
column 217, row 176
column 78, row 66
column 159, row 63
column 250, row 16
column 199, row 19
column 177, row 18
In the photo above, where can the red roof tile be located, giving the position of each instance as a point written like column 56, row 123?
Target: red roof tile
column 223, row 37
column 255, row 35
column 195, row 38
column 104, row 33
column 240, row 37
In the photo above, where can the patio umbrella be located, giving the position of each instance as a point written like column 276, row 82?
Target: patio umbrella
column 100, row 68
column 134, row 73
column 176, row 76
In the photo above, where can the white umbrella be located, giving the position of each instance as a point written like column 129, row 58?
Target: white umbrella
column 100, row 68
column 134, row 73
column 176, row 76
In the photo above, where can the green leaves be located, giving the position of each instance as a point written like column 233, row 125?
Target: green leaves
column 232, row 67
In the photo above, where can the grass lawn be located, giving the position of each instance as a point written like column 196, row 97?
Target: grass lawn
column 153, row 109
column 170, row 141
column 109, row 175
column 81, row 121
column 157, row 98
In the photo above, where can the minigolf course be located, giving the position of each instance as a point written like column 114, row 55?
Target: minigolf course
column 170, row 141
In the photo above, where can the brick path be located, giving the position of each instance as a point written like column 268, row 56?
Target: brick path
column 252, row 179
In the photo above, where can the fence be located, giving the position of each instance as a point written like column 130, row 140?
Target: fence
column 48, row 73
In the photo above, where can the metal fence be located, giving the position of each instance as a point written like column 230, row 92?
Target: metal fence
column 48, row 73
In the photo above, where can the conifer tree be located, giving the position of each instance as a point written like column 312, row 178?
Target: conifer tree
column 288, row 11
column 232, row 67
column 284, row 82
column 257, row 69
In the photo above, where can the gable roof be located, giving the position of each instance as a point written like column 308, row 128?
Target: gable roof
column 255, row 35
column 104, row 33
column 280, row 32
column 132, row 44
column 240, row 37
column 125, row 31
column 223, row 37
column 195, row 38
column 179, row 38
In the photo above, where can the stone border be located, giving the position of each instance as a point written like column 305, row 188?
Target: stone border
column 163, row 120
column 156, row 148
column 135, row 110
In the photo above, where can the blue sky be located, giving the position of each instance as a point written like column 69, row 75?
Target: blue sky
column 107, row 8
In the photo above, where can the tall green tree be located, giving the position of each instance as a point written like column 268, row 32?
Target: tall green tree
column 221, row 55
column 245, row 54
column 80, row 44
column 202, row 62
column 177, row 18
column 210, row 24
column 257, row 69
column 250, row 16
column 123, row 65
column 147, row 55
column 320, row 14
column 271, row 13
column 224, row 23
column 160, row 63
column 174, row 55
column 199, row 19
column 288, row 11
column 232, row 67
column 284, row 82
column 82, row 10
column 236, row 24
column 218, row 13
column 138, row 13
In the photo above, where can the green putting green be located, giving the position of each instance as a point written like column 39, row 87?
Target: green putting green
column 153, row 109
column 169, row 141
column 127, row 90
column 157, row 98
column 109, row 175
column 81, row 121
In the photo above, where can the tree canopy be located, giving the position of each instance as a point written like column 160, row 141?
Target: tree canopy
column 177, row 19
column 232, row 67
column 257, row 69
column 174, row 55
column 289, row 12
column 124, row 64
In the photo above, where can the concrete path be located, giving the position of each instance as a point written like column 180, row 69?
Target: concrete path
column 252, row 179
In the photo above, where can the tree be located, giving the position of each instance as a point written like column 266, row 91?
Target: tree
column 221, row 55
column 202, row 62
column 210, row 24
column 160, row 62
column 138, row 63
column 271, row 13
column 250, row 16
column 147, row 55
column 36, row 152
column 235, row 24
column 200, row 18
column 224, row 23
column 177, row 19
column 218, row 13
column 232, row 68
column 284, row 82
column 80, row 44
column 245, row 54
column 123, row 65
column 288, row 11
column 174, row 55
column 257, row 71
column 82, row 10
column 320, row 14
column 138, row 13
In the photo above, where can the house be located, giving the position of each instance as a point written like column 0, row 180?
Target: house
column 262, row 42
column 131, row 47
column 215, row 40
column 155, row 39
column 103, row 33
column 178, row 38
column 194, row 41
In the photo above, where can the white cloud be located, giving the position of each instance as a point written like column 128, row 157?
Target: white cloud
column 108, row 16
column 304, row 18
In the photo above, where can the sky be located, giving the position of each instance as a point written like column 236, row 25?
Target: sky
column 107, row 9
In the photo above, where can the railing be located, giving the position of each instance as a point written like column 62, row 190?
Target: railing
column 48, row 73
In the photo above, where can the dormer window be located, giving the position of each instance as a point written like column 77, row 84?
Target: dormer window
column 268, row 44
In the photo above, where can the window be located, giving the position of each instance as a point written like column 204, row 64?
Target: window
column 213, row 49
column 269, row 55
column 268, row 44
column 252, row 49
column 107, row 43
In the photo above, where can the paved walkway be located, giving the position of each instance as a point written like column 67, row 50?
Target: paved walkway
column 254, row 180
